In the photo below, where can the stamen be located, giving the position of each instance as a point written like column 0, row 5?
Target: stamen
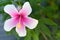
column 18, row 25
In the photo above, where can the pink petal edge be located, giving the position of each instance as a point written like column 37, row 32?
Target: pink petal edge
column 30, row 22
column 26, row 9
column 11, row 10
column 10, row 24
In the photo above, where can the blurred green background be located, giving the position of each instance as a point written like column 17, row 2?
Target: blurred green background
column 47, row 12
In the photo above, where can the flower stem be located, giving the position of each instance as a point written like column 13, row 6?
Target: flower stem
column 44, row 35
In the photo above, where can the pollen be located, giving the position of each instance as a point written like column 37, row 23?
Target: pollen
column 18, row 25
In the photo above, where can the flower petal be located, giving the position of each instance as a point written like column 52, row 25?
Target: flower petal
column 11, row 10
column 30, row 22
column 26, row 9
column 10, row 23
column 20, row 29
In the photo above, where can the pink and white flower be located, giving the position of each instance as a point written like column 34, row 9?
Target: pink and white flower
column 19, row 19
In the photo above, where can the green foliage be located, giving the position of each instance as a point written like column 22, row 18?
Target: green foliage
column 47, row 12
column 28, row 37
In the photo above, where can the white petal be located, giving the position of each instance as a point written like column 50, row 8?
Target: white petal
column 20, row 29
column 30, row 22
column 11, row 10
column 26, row 9
column 10, row 23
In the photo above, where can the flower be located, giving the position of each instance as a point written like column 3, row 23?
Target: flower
column 19, row 19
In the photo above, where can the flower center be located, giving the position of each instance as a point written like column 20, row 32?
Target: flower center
column 20, row 18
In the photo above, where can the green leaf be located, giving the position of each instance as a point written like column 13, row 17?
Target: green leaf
column 58, row 34
column 45, row 29
column 49, row 22
column 1, row 9
column 5, row 16
column 4, row 2
column 28, row 36
column 35, row 36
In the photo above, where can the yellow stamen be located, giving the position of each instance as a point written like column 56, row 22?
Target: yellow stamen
column 18, row 25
